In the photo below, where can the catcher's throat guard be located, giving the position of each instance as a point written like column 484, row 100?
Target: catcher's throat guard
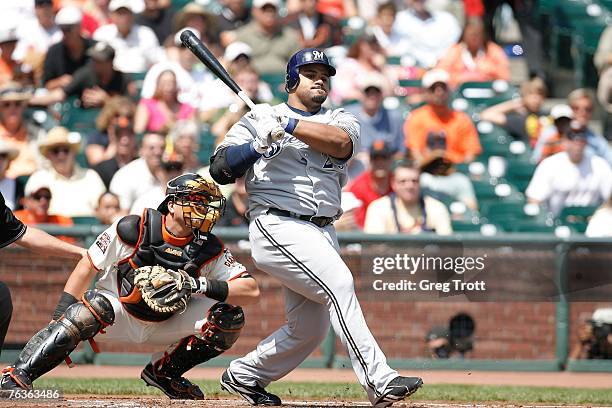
column 201, row 201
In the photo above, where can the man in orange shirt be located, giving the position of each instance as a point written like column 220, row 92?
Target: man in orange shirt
column 8, row 41
column 436, row 126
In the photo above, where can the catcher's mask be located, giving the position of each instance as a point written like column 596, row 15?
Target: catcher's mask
column 201, row 201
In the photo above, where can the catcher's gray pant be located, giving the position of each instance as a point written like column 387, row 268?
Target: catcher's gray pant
column 318, row 288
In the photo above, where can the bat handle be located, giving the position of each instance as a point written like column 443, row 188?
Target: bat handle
column 245, row 98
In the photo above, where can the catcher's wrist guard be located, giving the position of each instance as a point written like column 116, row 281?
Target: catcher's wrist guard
column 65, row 301
column 211, row 288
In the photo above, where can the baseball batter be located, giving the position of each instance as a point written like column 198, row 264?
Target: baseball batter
column 176, row 242
column 294, row 187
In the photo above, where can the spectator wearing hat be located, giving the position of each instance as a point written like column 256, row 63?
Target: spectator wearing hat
column 76, row 190
column 365, row 58
column 171, row 166
column 8, row 41
column 561, row 116
column 523, row 117
column 315, row 29
column 108, row 210
column 17, row 131
column 115, row 118
column 475, row 58
column 571, row 177
column 272, row 43
column 10, row 188
column 94, row 83
column 430, row 33
column 581, row 101
column 136, row 46
column 140, row 175
column 375, row 182
column 126, row 149
column 158, row 16
column 436, row 126
column 406, row 210
column 68, row 55
column 36, row 209
column 196, row 16
column 234, row 14
column 36, row 36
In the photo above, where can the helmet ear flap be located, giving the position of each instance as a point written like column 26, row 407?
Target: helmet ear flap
column 292, row 79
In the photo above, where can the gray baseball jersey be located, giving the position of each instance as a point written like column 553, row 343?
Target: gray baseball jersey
column 291, row 175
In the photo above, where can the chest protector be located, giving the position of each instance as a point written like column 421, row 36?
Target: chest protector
column 147, row 236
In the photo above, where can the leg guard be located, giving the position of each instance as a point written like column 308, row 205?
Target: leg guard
column 50, row 346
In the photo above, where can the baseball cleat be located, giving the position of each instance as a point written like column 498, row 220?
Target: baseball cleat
column 175, row 388
column 398, row 389
column 14, row 379
column 254, row 394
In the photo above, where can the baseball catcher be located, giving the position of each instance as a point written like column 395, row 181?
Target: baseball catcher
column 164, row 278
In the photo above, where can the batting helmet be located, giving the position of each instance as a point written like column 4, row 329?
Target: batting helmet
column 201, row 200
column 301, row 58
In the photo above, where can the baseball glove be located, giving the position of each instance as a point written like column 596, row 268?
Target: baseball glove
column 164, row 290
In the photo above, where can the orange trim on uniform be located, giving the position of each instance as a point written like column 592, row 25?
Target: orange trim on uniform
column 240, row 275
column 92, row 264
column 140, row 234
column 171, row 239
column 133, row 297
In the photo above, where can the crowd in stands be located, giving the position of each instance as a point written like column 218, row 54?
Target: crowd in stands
column 101, row 105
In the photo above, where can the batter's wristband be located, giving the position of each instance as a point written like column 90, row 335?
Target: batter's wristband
column 217, row 290
column 65, row 301
column 291, row 125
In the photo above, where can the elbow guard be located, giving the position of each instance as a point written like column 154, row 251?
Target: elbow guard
column 232, row 162
column 220, row 170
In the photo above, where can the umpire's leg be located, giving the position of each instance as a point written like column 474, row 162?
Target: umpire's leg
column 6, row 310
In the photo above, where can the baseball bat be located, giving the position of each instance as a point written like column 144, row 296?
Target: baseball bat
column 191, row 41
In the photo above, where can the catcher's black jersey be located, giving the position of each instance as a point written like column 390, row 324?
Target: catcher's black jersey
column 11, row 229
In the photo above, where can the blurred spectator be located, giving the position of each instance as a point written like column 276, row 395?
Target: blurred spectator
column 140, row 175
column 76, row 190
column 600, row 224
column 405, row 210
column 272, row 43
column 377, row 122
column 562, row 116
column 438, row 342
column 315, row 29
column 185, row 137
column 159, row 113
column 475, row 58
column 36, row 208
column 17, row 131
column 97, row 11
column 94, row 83
column 339, row 9
column 108, row 210
column 525, row 12
column 430, row 33
column 196, row 16
column 436, row 126
column 36, row 36
column 364, row 58
column 603, row 62
column 171, row 167
column 571, row 177
column 117, row 114
column 389, row 39
column 68, row 55
column 595, row 337
column 8, row 66
column 136, row 46
column 234, row 14
column 236, row 207
column 582, row 103
column 126, row 151
column 375, row 182
column 10, row 188
column 438, row 175
column 157, row 15
column 522, row 118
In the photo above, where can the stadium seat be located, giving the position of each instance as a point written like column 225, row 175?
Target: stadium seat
column 77, row 119
column 585, row 39
column 576, row 218
column 84, row 220
column 484, row 94
column 276, row 81
column 519, row 173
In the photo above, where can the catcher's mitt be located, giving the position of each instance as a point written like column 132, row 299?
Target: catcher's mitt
column 164, row 290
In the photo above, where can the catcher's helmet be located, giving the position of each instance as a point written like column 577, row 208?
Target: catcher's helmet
column 301, row 58
column 201, row 201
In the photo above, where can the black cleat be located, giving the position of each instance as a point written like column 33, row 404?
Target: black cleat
column 175, row 388
column 398, row 389
column 254, row 394
column 14, row 379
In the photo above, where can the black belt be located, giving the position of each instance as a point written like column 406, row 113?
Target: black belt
column 318, row 221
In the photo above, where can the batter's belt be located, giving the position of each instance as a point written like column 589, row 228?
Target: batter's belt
column 318, row 221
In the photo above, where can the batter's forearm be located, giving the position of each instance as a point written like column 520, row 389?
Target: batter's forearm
column 39, row 241
column 327, row 139
column 242, row 291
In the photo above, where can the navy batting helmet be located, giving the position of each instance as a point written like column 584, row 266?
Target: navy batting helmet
column 301, row 58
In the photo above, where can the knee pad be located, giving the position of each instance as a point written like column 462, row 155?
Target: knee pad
column 94, row 313
column 223, row 326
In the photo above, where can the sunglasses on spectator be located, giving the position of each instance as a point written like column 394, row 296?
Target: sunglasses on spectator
column 40, row 196
column 10, row 104
column 59, row 149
